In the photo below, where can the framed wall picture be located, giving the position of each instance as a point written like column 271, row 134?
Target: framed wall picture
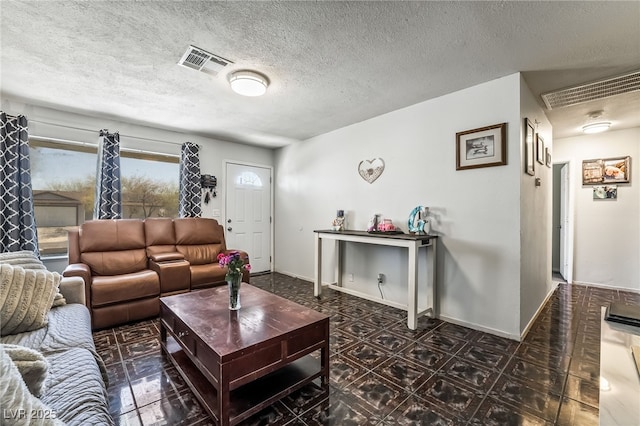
column 529, row 151
column 605, row 192
column 483, row 147
column 540, row 156
column 606, row 171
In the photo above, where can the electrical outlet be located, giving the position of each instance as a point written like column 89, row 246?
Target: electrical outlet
column 380, row 278
column 350, row 277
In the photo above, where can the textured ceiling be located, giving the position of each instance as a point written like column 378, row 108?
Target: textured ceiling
column 331, row 64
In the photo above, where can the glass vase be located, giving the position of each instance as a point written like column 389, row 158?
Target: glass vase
column 234, row 291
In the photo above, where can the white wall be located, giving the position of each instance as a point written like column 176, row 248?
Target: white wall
column 607, row 232
column 76, row 127
column 476, row 212
column 51, row 123
column 535, row 216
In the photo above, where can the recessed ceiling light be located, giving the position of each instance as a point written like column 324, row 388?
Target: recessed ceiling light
column 596, row 127
column 248, row 83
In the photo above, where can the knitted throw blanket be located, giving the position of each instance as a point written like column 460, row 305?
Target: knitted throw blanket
column 26, row 296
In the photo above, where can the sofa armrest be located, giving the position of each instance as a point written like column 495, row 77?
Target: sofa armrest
column 166, row 257
column 80, row 270
column 72, row 288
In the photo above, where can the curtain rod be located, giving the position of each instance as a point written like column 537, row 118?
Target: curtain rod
column 97, row 131
column 93, row 145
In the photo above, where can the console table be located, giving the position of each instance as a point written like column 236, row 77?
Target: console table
column 412, row 242
column 620, row 392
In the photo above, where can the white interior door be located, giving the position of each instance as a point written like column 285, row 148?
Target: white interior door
column 564, row 224
column 248, row 213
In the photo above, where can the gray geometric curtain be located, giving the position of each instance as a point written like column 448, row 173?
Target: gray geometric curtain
column 17, row 216
column 190, row 190
column 108, row 201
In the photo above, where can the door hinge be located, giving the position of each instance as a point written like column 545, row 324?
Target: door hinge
column 270, row 219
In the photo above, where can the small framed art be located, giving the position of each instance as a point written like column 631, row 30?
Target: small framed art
column 483, row 147
column 529, row 148
column 540, row 157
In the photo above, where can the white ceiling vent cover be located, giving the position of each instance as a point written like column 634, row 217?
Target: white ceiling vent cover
column 201, row 60
column 591, row 91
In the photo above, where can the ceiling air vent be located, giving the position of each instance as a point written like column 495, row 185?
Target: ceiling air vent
column 201, row 60
column 591, row 91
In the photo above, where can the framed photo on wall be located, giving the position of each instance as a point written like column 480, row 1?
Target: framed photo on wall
column 483, row 147
column 606, row 171
column 529, row 151
column 540, row 157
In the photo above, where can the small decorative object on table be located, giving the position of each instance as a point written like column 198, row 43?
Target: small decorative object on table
column 339, row 222
column 235, row 265
column 418, row 224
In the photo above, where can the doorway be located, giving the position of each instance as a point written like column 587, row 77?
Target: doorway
column 562, row 223
column 248, row 224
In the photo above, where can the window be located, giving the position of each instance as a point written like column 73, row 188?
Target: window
column 249, row 179
column 63, row 180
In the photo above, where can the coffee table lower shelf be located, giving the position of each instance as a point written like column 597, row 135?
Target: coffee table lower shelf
column 251, row 398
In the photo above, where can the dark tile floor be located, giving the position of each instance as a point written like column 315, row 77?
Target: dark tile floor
column 382, row 373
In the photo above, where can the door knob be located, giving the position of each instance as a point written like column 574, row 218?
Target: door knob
column 229, row 229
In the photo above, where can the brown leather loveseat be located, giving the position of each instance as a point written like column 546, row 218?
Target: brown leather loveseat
column 128, row 264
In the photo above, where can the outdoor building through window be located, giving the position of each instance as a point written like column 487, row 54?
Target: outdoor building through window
column 63, row 179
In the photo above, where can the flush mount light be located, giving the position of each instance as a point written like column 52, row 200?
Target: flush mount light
column 248, row 83
column 596, row 127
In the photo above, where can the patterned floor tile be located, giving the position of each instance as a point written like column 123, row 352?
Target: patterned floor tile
column 441, row 390
column 406, row 374
column 416, row 411
column 576, row 413
column 493, row 412
column 377, row 394
column 383, row 373
column 344, row 371
column 365, row 354
column 477, row 377
column 443, row 341
column 421, row 354
column 584, row 391
column 518, row 393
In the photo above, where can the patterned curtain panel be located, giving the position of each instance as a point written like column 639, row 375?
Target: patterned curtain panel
column 108, row 201
column 190, row 191
column 17, row 216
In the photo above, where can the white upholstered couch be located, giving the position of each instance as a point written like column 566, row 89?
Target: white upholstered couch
column 75, row 381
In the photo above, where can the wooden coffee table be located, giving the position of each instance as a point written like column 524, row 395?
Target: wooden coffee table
column 239, row 362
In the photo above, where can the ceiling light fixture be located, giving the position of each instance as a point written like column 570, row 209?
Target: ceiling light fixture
column 596, row 127
column 248, row 83
column 593, row 126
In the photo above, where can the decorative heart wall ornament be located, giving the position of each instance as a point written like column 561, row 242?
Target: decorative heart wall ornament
column 370, row 170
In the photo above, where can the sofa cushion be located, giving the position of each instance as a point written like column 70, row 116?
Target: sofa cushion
column 198, row 230
column 115, row 262
column 68, row 326
column 25, row 258
column 204, row 275
column 124, row 287
column 159, row 235
column 111, row 235
column 26, row 296
column 31, row 364
column 75, row 389
column 17, row 402
column 200, row 254
column 28, row 260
